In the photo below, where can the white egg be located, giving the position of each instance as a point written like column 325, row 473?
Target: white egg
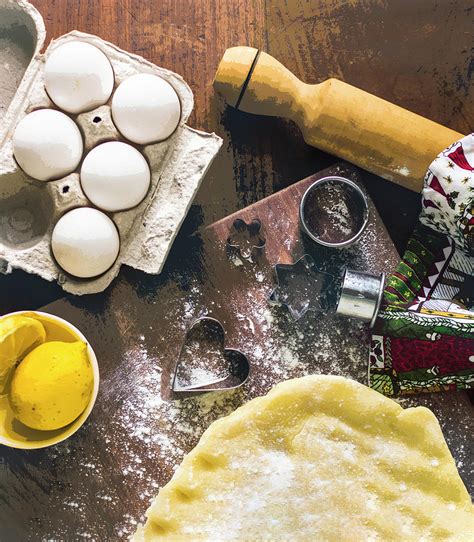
column 78, row 76
column 115, row 176
column 146, row 108
column 47, row 144
column 85, row 242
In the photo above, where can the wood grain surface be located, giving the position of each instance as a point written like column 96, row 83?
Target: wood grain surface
column 98, row 484
column 414, row 53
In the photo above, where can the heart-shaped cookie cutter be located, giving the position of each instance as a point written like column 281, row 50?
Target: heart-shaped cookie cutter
column 239, row 366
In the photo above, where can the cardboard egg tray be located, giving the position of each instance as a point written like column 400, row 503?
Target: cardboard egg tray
column 29, row 209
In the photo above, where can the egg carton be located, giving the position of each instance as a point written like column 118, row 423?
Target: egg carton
column 29, row 209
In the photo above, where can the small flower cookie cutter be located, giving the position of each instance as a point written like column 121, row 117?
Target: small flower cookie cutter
column 210, row 330
column 301, row 287
column 245, row 238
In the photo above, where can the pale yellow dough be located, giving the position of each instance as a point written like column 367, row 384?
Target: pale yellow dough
column 319, row 458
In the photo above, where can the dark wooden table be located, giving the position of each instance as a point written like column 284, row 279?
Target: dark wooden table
column 415, row 54
column 99, row 482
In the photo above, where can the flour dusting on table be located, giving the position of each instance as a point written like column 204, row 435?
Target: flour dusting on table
column 147, row 433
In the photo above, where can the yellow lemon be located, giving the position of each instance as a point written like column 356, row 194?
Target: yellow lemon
column 52, row 386
column 18, row 335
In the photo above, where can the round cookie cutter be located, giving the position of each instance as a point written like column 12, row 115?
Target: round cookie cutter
column 361, row 201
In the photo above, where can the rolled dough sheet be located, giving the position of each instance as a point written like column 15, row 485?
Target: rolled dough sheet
column 318, row 458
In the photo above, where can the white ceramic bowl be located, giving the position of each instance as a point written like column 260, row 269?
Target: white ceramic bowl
column 15, row 434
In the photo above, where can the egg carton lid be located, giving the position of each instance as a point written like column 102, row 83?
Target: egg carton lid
column 177, row 165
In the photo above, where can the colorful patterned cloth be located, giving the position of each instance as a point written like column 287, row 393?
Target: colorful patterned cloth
column 448, row 194
column 423, row 339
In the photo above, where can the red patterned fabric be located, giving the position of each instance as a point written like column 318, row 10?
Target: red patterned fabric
column 423, row 337
column 436, row 185
column 448, row 195
column 459, row 158
column 448, row 354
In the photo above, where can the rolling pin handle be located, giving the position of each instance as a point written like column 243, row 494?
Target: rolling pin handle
column 336, row 117
column 232, row 74
column 255, row 82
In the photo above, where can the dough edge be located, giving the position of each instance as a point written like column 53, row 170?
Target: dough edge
column 316, row 389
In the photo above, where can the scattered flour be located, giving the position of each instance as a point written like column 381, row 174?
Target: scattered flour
column 147, row 435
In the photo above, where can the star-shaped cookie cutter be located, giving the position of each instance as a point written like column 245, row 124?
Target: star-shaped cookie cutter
column 245, row 238
column 211, row 330
column 301, row 287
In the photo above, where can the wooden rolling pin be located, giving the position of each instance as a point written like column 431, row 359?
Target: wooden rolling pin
column 338, row 118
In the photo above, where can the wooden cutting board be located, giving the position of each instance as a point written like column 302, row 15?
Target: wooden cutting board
column 98, row 484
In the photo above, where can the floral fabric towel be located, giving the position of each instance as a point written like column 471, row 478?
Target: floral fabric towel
column 423, row 339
